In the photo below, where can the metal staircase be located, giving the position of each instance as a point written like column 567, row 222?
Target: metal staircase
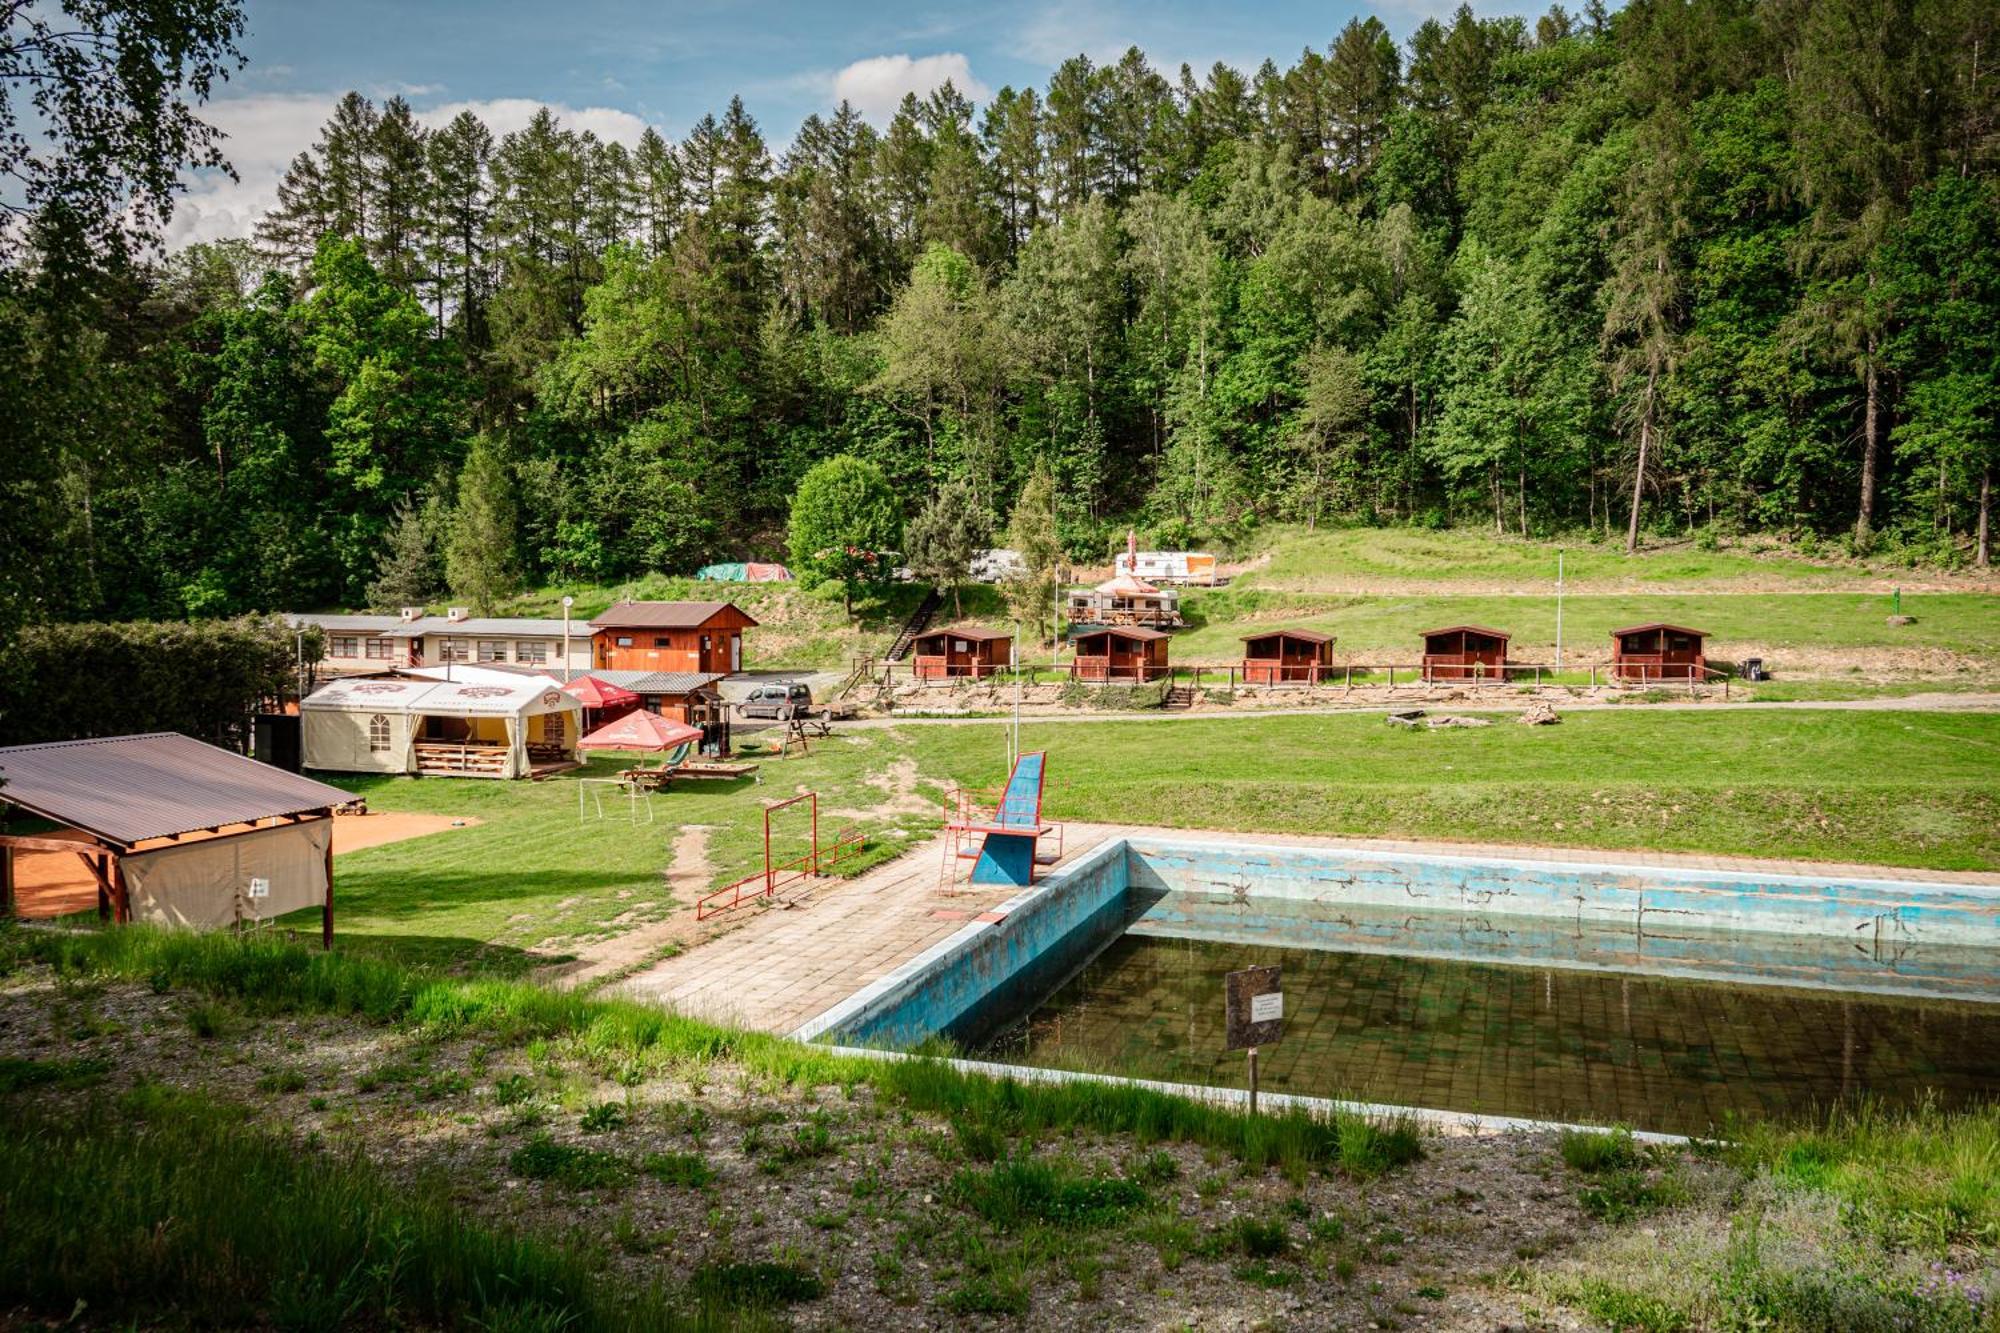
column 919, row 621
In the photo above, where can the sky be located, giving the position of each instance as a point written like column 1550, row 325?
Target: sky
column 615, row 68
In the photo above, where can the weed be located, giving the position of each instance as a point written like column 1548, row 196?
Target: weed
column 1154, row 1169
column 1259, row 1238
column 1369, row 1148
column 513, row 1089
column 1026, row 1190
column 1172, row 1238
column 1592, row 1151
column 1263, row 1275
column 1430, row 1291
column 450, row 1083
column 752, row 1285
column 207, row 1021
column 684, row 1169
column 978, row 1140
column 985, row 1293
column 1620, row 1195
column 603, row 1117
column 542, row 1158
column 16, row 1074
column 282, row 1080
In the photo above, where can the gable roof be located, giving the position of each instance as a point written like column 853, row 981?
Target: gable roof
column 658, row 682
column 1488, row 631
column 972, row 633
column 1133, row 632
column 665, row 615
column 1658, row 624
column 454, row 691
column 127, row 789
column 1303, row 635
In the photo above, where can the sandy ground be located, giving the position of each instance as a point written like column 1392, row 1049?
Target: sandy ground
column 50, row 884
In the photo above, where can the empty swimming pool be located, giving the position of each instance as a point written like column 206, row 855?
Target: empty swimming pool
column 1673, row 999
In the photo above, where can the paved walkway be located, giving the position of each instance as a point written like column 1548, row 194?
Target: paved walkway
column 788, row 965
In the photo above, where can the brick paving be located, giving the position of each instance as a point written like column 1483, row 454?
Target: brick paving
column 785, row 966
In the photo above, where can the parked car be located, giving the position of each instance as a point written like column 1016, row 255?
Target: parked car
column 779, row 701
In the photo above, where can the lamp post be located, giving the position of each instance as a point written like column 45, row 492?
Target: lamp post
column 1559, row 609
column 568, row 602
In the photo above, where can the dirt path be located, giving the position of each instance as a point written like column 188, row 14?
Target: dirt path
column 688, row 877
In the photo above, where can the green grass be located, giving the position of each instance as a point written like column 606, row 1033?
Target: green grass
column 170, row 1203
column 1911, row 789
column 269, row 974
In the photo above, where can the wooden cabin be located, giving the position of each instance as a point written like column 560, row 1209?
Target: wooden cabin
column 1658, row 651
column 960, row 651
column 670, row 636
column 1287, row 657
column 1119, row 653
column 684, row 696
column 1465, row 652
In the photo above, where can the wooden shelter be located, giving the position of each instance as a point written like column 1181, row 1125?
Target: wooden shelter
column 1658, row 651
column 1287, row 657
column 960, row 651
column 692, row 697
column 671, row 636
column 1465, row 652
column 1119, row 653
column 175, row 831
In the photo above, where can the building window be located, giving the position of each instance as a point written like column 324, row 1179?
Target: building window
column 531, row 650
column 663, row 643
column 452, row 651
column 624, row 641
column 378, row 734
column 492, row 650
column 344, row 645
column 380, row 649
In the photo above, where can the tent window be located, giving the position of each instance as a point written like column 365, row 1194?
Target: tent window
column 552, row 728
column 378, row 733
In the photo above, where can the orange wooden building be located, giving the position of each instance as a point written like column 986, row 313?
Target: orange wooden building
column 670, row 636
column 1287, row 657
column 1119, row 652
column 1658, row 651
column 960, row 651
column 1465, row 652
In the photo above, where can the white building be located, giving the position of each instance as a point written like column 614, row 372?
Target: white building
column 357, row 643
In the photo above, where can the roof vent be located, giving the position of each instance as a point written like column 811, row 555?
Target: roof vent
column 457, row 613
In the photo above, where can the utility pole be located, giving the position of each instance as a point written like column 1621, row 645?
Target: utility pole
column 568, row 602
column 1559, row 609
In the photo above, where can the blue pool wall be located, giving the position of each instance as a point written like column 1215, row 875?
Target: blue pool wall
column 990, row 969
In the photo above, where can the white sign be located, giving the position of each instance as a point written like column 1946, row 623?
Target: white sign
column 260, row 888
column 1264, row 1008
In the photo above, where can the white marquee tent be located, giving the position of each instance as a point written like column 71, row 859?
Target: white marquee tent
column 459, row 721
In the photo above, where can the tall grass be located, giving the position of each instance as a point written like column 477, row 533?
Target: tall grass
column 620, row 1036
column 168, row 1202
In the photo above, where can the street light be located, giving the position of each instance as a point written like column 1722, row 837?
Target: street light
column 567, row 603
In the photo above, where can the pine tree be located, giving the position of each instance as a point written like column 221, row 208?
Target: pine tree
column 1031, row 531
column 460, row 208
column 399, row 188
column 408, row 572
column 946, row 536
column 480, row 556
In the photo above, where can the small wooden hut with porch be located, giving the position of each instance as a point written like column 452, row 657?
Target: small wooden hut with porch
column 1658, row 651
column 960, row 651
column 1287, row 657
column 1465, row 652
column 1119, row 653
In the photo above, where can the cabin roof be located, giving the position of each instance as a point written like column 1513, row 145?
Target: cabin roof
column 1658, row 624
column 1133, row 632
column 1488, row 631
column 974, row 633
column 1303, row 635
column 664, row 615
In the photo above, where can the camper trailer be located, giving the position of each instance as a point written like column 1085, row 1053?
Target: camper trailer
column 1194, row 569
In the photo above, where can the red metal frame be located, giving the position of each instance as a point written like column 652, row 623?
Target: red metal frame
column 847, row 844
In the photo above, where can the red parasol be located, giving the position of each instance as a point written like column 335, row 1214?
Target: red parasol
column 640, row 731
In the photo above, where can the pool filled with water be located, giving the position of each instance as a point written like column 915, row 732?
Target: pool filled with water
column 1655, row 1052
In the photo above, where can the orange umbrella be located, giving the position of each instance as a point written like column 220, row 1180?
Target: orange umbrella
column 640, row 731
column 594, row 693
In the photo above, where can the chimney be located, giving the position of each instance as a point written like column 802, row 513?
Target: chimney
column 411, row 613
column 454, row 614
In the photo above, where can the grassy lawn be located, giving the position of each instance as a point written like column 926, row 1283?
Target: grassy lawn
column 1891, row 788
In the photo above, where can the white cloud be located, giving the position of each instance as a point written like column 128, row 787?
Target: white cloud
column 267, row 130
column 876, row 85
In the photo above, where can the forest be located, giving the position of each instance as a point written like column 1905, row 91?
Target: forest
column 1695, row 267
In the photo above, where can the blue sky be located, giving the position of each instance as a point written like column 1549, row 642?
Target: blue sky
column 615, row 67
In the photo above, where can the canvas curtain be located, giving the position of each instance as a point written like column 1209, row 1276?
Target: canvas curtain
column 338, row 741
column 208, row 883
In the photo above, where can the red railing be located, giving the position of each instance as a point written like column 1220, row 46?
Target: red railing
column 846, row 845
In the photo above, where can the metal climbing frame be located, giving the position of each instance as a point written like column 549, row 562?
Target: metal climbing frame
column 846, row 845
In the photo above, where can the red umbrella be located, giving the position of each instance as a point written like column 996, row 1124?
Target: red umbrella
column 640, row 731
column 594, row 693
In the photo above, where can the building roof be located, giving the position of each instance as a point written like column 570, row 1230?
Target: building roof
column 1134, row 632
column 974, row 633
column 126, row 789
column 664, row 615
column 455, row 691
column 1658, row 624
column 1303, row 635
column 499, row 627
column 1488, row 631
column 346, row 624
column 659, row 682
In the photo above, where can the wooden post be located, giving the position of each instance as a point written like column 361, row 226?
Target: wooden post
column 326, row 912
column 6, row 879
column 103, row 878
column 1253, row 1080
column 121, row 895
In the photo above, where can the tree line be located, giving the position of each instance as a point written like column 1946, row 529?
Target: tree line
column 1698, row 266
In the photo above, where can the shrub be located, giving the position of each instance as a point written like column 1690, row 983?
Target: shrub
column 1592, row 1151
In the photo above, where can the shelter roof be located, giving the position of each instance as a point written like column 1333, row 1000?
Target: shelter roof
column 1658, row 624
column 1303, row 635
column 155, row 785
column 664, row 615
column 1134, row 632
column 975, row 633
column 659, row 682
column 1487, row 630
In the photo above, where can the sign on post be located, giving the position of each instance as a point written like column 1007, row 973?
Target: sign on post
column 1254, row 1014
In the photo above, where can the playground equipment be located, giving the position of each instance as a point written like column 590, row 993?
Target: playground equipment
column 847, row 844
column 1002, row 836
